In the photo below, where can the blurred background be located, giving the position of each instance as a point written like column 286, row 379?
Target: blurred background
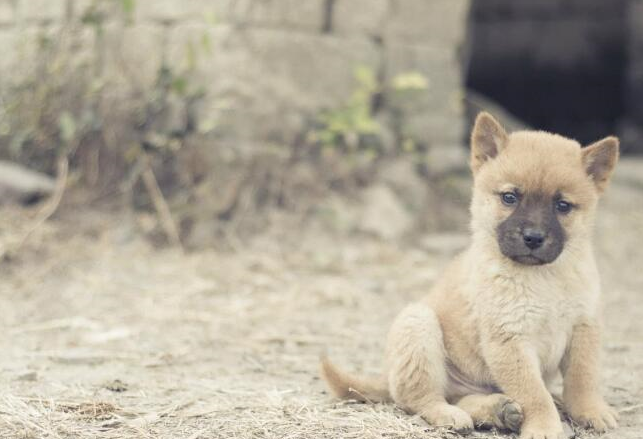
column 197, row 197
column 221, row 113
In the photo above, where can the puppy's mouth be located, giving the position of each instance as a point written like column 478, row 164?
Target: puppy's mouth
column 528, row 259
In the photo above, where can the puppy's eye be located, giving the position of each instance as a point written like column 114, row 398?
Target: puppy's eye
column 563, row 206
column 509, row 198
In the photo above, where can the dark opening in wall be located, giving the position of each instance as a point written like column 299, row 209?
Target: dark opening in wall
column 559, row 65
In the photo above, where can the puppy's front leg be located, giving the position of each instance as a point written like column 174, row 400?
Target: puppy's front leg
column 516, row 370
column 580, row 368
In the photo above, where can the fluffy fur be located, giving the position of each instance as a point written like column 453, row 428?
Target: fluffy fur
column 483, row 348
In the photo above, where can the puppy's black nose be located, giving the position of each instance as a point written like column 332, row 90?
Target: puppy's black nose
column 533, row 238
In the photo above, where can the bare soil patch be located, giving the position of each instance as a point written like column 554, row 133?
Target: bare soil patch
column 104, row 336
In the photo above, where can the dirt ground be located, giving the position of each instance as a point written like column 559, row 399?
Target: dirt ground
column 104, row 336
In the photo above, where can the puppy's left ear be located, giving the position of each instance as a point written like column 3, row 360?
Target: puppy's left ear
column 488, row 138
column 599, row 160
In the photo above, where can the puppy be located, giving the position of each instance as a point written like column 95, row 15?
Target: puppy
column 518, row 307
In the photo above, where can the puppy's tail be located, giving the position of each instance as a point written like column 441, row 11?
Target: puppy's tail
column 346, row 386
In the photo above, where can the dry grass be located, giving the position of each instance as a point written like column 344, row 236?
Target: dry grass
column 103, row 336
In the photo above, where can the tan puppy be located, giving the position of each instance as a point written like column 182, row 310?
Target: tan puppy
column 520, row 305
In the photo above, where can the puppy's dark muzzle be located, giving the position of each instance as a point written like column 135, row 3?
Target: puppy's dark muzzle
column 532, row 234
column 533, row 239
column 529, row 245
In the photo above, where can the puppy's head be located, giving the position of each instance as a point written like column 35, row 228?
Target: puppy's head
column 535, row 193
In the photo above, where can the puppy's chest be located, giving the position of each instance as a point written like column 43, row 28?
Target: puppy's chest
column 524, row 310
column 541, row 315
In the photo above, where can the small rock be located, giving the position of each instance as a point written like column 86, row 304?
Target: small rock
column 383, row 214
column 116, row 386
column 21, row 185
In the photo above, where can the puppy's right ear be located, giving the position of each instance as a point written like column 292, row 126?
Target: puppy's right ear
column 599, row 160
column 488, row 138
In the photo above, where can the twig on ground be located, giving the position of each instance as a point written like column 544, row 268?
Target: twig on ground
column 160, row 204
column 65, row 323
column 631, row 408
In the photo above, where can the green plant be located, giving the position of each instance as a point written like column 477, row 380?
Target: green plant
column 347, row 125
column 354, row 126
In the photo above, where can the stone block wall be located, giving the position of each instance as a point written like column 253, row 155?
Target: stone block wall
column 270, row 66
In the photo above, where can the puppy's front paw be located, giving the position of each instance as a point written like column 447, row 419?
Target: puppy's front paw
column 542, row 431
column 450, row 416
column 593, row 413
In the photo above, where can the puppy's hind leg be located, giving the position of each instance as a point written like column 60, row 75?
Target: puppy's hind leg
column 494, row 410
column 417, row 371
